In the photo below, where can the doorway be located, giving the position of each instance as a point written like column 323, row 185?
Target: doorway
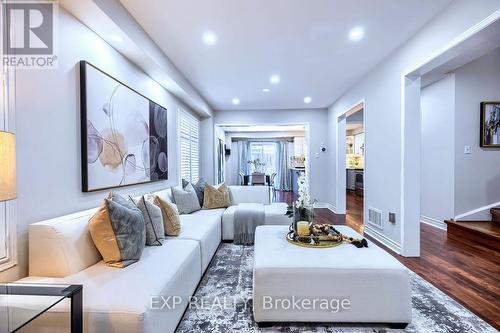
column 351, row 166
column 264, row 154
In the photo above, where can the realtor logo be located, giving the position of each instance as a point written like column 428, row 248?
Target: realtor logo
column 28, row 34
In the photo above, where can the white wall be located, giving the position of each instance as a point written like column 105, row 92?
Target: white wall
column 317, row 119
column 438, row 150
column 48, row 131
column 381, row 88
column 477, row 176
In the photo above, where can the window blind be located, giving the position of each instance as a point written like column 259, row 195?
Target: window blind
column 189, row 138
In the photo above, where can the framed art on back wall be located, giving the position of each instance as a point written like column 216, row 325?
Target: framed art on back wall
column 490, row 125
column 124, row 134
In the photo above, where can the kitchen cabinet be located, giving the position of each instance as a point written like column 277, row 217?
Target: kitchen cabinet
column 351, row 179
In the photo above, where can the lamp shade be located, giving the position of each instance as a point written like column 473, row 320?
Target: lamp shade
column 7, row 166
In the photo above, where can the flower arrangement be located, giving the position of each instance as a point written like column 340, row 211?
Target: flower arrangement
column 257, row 164
column 302, row 209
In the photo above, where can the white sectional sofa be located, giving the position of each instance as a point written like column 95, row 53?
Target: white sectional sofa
column 119, row 300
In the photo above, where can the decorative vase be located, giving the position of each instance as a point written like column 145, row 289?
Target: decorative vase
column 302, row 214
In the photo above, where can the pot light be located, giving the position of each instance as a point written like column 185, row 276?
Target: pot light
column 275, row 79
column 209, row 38
column 356, row 34
column 115, row 38
column 266, row 90
column 236, row 101
column 307, row 100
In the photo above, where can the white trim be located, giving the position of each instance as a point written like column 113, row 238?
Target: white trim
column 433, row 222
column 326, row 205
column 453, row 43
column 478, row 210
column 392, row 245
column 341, row 187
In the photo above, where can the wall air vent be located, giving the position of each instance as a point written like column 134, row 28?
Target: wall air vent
column 375, row 217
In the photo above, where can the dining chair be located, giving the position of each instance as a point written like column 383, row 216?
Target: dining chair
column 258, row 178
column 242, row 178
column 271, row 184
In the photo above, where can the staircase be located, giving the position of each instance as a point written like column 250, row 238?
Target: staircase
column 485, row 233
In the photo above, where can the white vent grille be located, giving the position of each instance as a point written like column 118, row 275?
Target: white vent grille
column 375, row 217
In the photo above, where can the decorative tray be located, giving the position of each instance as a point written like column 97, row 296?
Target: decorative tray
column 311, row 241
column 323, row 236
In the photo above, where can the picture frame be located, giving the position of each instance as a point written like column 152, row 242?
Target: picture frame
column 490, row 125
column 124, row 135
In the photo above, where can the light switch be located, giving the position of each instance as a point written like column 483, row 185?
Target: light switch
column 467, row 150
column 316, row 155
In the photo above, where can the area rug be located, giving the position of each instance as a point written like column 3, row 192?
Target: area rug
column 223, row 304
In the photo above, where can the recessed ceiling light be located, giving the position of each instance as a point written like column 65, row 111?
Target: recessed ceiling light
column 209, row 38
column 356, row 34
column 307, row 100
column 236, row 101
column 275, row 79
column 115, row 38
column 266, row 90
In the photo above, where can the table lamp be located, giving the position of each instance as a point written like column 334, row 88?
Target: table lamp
column 7, row 166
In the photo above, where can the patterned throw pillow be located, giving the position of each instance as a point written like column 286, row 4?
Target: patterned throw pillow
column 216, row 197
column 186, row 199
column 118, row 231
column 155, row 232
column 199, row 188
column 171, row 218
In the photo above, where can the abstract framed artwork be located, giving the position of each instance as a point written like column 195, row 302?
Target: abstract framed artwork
column 490, row 125
column 123, row 133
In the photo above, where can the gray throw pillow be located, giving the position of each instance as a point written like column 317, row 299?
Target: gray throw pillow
column 128, row 226
column 186, row 199
column 199, row 188
column 155, row 232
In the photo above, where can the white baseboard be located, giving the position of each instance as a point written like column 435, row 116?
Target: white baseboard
column 478, row 210
column 433, row 222
column 392, row 245
column 325, row 205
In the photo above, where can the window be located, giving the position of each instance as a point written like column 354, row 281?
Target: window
column 266, row 153
column 189, row 134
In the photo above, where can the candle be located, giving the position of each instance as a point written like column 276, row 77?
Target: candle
column 303, row 228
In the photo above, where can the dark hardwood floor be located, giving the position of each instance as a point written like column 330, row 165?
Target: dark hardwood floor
column 470, row 274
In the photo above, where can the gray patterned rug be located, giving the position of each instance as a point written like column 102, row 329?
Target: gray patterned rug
column 223, row 304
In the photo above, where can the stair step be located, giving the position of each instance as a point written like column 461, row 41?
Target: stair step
column 495, row 214
column 486, row 233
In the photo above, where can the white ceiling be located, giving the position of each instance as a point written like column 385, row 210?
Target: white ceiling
column 305, row 42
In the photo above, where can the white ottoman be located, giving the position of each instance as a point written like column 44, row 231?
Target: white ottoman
column 340, row 284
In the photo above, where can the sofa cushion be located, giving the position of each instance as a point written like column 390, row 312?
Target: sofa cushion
column 170, row 270
column 205, row 229
column 155, row 232
column 199, row 188
column 250, row 194
column 62, row 246
column 170, row 215
column 216, row 197
column 185, row 199
column 274, row 215
column 210, row 212
column 118, row 231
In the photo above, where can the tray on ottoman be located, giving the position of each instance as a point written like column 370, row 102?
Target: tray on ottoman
column 339, row 284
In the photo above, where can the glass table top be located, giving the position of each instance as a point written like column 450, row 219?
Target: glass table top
column 21, row 303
